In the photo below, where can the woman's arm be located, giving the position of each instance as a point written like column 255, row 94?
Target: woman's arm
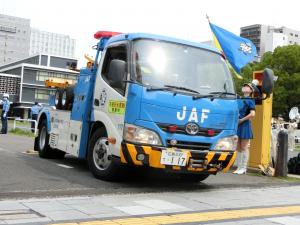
column 248, row 117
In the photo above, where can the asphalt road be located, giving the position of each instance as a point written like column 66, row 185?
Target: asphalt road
column 24, row 175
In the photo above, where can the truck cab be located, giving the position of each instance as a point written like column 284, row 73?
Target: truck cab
column 148, row 101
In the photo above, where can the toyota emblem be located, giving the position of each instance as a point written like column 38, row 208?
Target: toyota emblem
column 192, row 128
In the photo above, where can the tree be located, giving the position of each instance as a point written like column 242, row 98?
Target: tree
column 285, row 62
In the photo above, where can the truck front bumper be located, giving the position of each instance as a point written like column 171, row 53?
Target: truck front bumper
column 198, row 161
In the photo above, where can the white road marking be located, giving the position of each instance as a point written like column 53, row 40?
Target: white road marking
column 65, row 166
column 285, row 220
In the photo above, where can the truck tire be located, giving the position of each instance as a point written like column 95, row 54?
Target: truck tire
column 42, row 144
column 99, row 159
column 64, row 99
column 193, row 178
column 68, row 96
column 43, row 141
column 58, row 98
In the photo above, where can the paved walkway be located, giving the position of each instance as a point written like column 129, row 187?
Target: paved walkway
column 278, row 205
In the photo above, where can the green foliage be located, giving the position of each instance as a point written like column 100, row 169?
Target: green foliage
column 285, row 62
column 21, row 132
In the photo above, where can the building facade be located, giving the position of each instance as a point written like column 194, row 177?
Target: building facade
column 10, row 84
column 43, row 42
column 32, row 73
column 14, row 38
column 267, row 38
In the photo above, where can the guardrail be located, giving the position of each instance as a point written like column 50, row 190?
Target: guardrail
column 15, row 119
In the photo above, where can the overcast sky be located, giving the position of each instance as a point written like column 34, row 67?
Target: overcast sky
column 179, row 18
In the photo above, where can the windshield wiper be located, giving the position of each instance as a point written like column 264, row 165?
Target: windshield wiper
column 203, row 96
column 171, row 88
column 213, row 95
column 150, row 88
column 182, row 88
column 222, row 93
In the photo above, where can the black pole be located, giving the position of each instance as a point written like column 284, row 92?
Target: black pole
column 282, row 152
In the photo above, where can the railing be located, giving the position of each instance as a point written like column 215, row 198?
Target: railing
column 15, row 119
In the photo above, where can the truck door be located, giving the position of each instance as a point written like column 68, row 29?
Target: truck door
column 110, row 94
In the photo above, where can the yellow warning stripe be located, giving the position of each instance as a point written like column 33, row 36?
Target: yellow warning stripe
column 155, row 157
column 176, row 168
column 197, row 217
column 223, row 156
column 230, row 162
column 123, row 160
column 132, row 151
column 209, row 156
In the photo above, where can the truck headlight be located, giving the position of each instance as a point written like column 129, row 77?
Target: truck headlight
column 141, row 135
column 227, row 144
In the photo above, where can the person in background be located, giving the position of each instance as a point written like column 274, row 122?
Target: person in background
column 5, row 109
column 244, row 133
column 35, row 109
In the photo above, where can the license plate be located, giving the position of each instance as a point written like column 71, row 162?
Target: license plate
column 173, row 158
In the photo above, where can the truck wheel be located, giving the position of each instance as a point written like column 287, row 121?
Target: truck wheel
column 68, row 98
column 64, row 99
column 58, row 98
column 43, row 141
column 99, row 157
column 193, row 178
column 42, row 144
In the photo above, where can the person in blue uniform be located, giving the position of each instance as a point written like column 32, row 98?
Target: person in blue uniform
column 244, row 132
column 35, row 109
column 5, row 109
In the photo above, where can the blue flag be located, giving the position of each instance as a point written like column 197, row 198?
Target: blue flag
column 237, row 50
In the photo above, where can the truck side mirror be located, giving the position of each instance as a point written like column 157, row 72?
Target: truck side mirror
column 116, row 73
column 268, row 82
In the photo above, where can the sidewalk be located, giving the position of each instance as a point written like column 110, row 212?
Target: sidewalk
column 95, row 208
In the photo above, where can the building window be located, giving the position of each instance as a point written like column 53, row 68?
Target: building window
column 291, row 34
column 44, row 75
column 296, row 35
column 42, row 94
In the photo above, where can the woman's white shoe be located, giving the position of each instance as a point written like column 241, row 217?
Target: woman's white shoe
column 241, row 171
column 236, row 171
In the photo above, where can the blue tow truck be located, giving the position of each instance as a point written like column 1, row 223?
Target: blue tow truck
column 147, row 101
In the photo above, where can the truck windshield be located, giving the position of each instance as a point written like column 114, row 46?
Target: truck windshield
column 160, row 64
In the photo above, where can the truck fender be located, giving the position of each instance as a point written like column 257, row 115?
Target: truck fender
column 45, row 115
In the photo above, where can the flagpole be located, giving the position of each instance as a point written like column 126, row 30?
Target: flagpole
column 207, row 17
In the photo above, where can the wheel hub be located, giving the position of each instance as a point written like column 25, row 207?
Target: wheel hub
column 101, row 154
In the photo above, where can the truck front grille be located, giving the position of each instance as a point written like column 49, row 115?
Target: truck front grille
column 189, row 145
column 181, row 130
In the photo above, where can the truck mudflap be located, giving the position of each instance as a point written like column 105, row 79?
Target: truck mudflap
column 197, row 161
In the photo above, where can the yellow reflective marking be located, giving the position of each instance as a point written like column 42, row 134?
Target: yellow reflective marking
column 147, row 149
column 176, row 167
column 209, row 156
column 230, row 162
column 223, row 156
column 197, row 217
column 154, row 157
column 132, row 151
column 195, row 169
column 123, row 160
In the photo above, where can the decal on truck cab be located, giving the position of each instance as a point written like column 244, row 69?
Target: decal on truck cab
column 193, row 116
column 117, row 107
